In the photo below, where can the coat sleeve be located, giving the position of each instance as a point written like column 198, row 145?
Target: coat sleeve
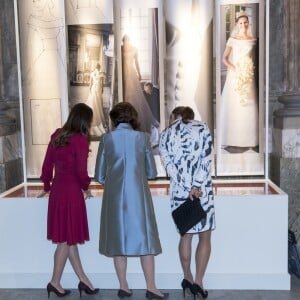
column 47, row 168
column 165, row 150
column 100, row 168
column 151, row 170
column 81, row 155
column 203, row 170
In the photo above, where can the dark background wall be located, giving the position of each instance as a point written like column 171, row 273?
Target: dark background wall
column 11, row 172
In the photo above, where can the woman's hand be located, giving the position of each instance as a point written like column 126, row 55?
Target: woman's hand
column 231, row 67
column 226, row 60
column 88, row 194
column 42, row 194
column 195, row 192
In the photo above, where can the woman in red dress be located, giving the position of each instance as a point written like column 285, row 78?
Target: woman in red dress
column 67, row 225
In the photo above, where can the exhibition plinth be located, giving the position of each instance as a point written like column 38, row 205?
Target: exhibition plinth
column 249, row 245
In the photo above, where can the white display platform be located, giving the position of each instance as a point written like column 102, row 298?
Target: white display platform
column 249, row 245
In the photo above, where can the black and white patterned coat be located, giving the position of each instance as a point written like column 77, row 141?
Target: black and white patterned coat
column 185, row 151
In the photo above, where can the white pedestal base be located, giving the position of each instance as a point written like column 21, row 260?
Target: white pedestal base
column 249, row 246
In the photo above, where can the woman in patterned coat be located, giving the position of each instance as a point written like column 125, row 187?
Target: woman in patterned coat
column 185, row 148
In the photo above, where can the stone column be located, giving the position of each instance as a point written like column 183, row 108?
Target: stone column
column 11, row 173
column 285, row 159
column 11, row 162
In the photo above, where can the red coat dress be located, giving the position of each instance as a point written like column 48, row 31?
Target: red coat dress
column 67, row 217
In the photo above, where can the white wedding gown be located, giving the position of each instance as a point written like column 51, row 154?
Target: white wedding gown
column 239, row 102
column 95, row 102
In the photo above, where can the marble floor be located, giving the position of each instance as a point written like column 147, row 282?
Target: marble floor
column 39, row 294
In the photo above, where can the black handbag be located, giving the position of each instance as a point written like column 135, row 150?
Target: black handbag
column 188, row 214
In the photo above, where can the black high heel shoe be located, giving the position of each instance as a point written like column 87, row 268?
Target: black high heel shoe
column 123, row 294
column 185, row 284
column 200, row 291
column 150, row 295
column 83, row 287
column 51, row 288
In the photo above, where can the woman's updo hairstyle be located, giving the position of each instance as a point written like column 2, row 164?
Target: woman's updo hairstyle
column 124, row 112
column 187, row 114
column 242, row 16
column 177, row 112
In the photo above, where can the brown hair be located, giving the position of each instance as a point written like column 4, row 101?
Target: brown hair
column 177, row 112
column 124, row 112
column 79, row 121
column 149, row 84
column 187, row 114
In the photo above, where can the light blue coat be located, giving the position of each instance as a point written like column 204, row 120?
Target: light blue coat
column 124, row 164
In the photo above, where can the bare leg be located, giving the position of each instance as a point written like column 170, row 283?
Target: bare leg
column 202, row 256
column 60, row 258
column 147, row 262
column 120, row 263
column 77, row 266
column 185, row 254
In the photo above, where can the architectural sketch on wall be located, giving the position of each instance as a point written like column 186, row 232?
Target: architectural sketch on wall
column 188, row 62
column 89, row 11
column 39, row 108
column 44, row 73
column 140, row 66
column 47, row 31
column 238, row 121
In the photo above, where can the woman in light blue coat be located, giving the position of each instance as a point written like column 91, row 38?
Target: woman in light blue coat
column 128, row 227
